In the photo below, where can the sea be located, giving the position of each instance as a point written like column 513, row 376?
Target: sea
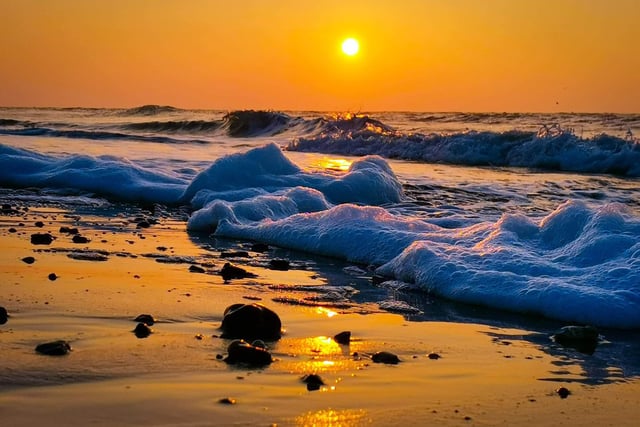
column 533, row 215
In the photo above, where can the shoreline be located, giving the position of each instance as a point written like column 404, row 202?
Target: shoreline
column 488, row 374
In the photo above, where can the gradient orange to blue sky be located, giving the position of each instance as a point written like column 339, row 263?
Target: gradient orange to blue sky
column 415, row 55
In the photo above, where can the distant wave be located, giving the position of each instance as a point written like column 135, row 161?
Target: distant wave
column 149, row 110
column 248, row 123
column 93, row 135
column 551, row 148
column 190, row 126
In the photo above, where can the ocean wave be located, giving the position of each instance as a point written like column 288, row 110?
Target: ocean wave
column 149, row 110
column 187, row 126
column 251, row 123
column 93, row 135
column 551, row 148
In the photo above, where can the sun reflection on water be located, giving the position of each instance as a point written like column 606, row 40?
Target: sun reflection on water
column 332, row 417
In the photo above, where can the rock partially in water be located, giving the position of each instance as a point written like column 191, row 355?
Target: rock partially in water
column 250, row 322
column 259, row 247
column 41, row 239
column 343, row 338
column 28, row 260
column 230, row 271
column 54, row 348
column 196, row 269
column 582, row 338
column 68, row 230
column 313, row 382
column 4, row 316
column 242, row 352
column 234, row 254
column 385, row 357
column 142, row 330
column 279, row 264
column 147, row 319
column 80, row 239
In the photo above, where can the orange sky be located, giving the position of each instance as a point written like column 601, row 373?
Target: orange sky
column 415, row 55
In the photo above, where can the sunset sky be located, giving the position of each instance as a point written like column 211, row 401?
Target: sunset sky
column 415, row 55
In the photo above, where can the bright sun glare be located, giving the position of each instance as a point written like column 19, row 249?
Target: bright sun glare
column 350, row 46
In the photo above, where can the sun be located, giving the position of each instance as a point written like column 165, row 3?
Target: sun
column 350, row 46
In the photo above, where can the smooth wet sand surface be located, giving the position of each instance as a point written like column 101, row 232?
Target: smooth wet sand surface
column 486, row 375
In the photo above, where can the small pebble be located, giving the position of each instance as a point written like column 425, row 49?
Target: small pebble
column 28, row 260
column 433, row 356
column 54, row 348
column 385, row 357
column 53, row 276
column 227, row 401
column 563, row 392
column 142, row 330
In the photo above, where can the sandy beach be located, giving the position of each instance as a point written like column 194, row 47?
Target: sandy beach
column 486, row 375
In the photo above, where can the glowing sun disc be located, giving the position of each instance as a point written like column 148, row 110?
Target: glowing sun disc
column 350, row 46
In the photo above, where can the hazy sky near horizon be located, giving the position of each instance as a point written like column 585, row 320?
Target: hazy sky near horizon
column 415, row 55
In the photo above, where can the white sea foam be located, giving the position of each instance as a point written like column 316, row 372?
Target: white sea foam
column 579, row 263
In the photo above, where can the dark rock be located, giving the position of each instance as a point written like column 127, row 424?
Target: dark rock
column 230, row 272
column 234, row 254
column 313, row 382
column 80, row 239
column 259, row 343
column 227, row 401
column 385, row 357
column 53, row 276
column 563, row 392
column 196, row 269
column 433, row 356
column 68, row 230
column 279, row 264
column 251, row 321
column 242, row 352
column 259, row 247
column 4, row 316
column 147, row 319
column 41, row 239
column 54, row 348
column 142, row 330
column 376, row 279
column 143, row 224
column 343, row 338
column 7, row 207
column 28, row 260
column 39, row 224
column 13, row 230
column 582, row 338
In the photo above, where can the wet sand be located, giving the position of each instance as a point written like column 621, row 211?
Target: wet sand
column 487, row 375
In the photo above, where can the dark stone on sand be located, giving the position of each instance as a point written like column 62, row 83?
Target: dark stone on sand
column 433, row 356
column 234, row 254
column 227, row 401
column 69, row 230
column 343, row 338
column 13, row 230
column 41, row 239
column 385, row 357
column 28, row 260
column 230, row 271
column 52, row 276
column 143, row 224
column 147, row 319
column 259, row 247
column 196, row 269
column 313, row 382
column 279, row 264
column 6, row 207
column 242, row 352
column 250, row 322
column 39, row 224
column 80, row 239
column 54, row 348
column 563, row 392
column 4, row 316
column 582, row 338
column 142, row 330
